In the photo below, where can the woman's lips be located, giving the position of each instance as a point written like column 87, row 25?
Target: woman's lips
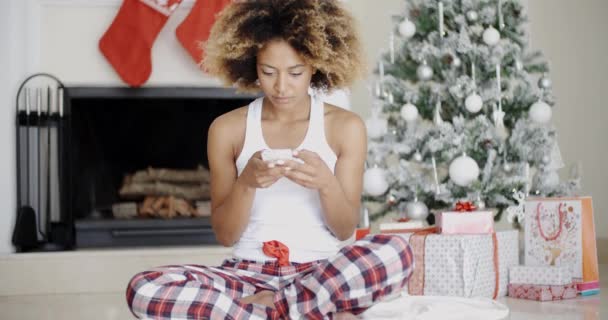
column 281, row 99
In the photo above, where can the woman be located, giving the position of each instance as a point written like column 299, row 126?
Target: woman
column 287, row 218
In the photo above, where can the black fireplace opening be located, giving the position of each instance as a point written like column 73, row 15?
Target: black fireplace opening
column 116, row 132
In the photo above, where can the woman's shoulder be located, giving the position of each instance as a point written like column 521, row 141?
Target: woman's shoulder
column 344, row 129
column 231, row 118
column 230, row 122
column 337, row 117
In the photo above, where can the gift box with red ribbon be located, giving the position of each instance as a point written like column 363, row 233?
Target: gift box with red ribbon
column 462, row 265
column 465, row 219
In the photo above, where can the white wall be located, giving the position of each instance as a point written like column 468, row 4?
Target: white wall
column 572, row 35
column 60, row 37
column 7, row 128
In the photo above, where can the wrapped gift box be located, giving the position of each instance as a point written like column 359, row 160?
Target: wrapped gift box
column 462, row 265
column 542, row 292
column 473, row 222
column 540, row 275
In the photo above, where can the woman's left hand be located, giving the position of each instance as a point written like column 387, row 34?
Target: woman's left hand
column 312, row 173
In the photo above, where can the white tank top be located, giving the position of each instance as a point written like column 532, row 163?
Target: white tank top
column 286, row 211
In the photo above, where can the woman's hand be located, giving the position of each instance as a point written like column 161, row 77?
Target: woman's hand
column 260, row 174
column 311, row 173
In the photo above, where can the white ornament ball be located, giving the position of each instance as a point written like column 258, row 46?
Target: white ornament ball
column 409, row 112
column 456, row 62
column 376, row 127
column 424, row 72
column 540, row 112
column 417, row 156
column 472, row 15
column 417, row 210
column 407, row 29
column 473, row 103
column 374, row 181
column 491, row 36
column 463, row 170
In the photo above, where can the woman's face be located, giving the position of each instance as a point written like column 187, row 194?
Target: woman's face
column 283, row 74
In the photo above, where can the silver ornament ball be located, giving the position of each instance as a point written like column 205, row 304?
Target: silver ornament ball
column 472, row 15
column 417, row 210
column 507, row 167
column 480, row 204
column 544, row 83
column 417, row 156
column 546, row 159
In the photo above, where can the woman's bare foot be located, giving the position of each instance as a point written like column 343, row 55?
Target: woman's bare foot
column 263, row 297
column 345, row 316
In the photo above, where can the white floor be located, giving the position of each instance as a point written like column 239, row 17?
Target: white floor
column 41, row 286
column 112, row 306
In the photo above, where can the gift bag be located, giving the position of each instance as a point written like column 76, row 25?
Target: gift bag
column 561, row 232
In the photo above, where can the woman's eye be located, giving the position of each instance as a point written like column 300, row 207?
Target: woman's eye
column 267, row 73
column 296, row 74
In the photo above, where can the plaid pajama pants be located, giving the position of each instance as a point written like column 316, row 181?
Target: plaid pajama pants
column 371, row 269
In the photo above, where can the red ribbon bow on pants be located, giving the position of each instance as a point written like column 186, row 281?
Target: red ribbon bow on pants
column 464, row 206
column 278, row 250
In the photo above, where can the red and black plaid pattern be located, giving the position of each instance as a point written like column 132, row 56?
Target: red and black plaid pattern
column 361, row 274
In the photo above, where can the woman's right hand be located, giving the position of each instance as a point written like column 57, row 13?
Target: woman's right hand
column 259, row 173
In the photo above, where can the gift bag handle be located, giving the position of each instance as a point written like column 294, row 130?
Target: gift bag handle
column 562, row 217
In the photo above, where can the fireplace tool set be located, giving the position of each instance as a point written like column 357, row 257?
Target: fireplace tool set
column 41, row 221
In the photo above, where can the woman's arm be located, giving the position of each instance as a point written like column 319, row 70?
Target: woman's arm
column 342, row 200
column 340, row 192
column 232, row 196
column 230, row 201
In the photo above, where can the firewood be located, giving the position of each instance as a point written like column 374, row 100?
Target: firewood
column 125, row 210
column 145, row 210
column 203, row 209
column 138, row 190
column 183, row 208
column 199, row 175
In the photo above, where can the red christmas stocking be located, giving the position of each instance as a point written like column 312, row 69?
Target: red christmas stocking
column 127, row 44
column 197, row 26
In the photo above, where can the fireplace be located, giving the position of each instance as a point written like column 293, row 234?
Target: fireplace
column 114, row 133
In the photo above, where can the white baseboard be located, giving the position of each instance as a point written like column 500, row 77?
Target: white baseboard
column 93, row 271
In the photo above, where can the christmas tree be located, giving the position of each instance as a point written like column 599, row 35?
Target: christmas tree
column 462, row 111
